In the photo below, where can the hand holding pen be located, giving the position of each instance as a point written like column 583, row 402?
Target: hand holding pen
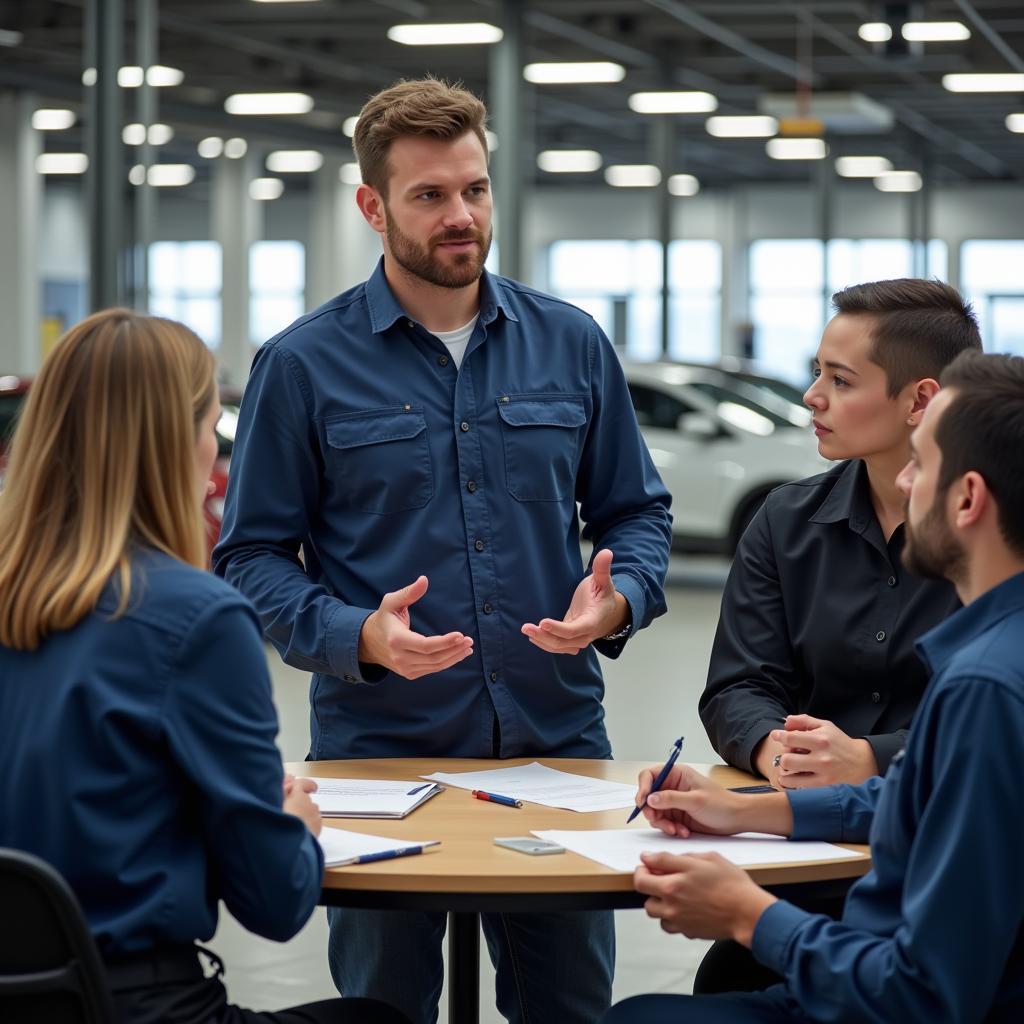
column 649, row 784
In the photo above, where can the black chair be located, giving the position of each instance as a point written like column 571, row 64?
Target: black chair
column 50, row 970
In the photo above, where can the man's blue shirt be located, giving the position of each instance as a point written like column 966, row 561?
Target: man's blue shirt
column 363, row 445
column 935, row 931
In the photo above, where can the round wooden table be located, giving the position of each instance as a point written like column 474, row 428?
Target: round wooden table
column 467, row 874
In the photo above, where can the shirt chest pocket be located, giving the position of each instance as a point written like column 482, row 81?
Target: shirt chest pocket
column 380, row 460
column 541, row 439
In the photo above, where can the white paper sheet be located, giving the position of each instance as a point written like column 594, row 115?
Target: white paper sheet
column 341, row 847
column 620, row 848
column 539, row 784
column 369, row 798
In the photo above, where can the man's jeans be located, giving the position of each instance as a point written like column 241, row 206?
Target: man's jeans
column 552, row 968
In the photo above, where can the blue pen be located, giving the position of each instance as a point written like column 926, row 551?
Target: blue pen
column 662, row 776
column 369, row 858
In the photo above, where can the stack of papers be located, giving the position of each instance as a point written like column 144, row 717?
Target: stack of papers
column 620, row 848
column 541, row 785
column 369, row 798
column 341, row 847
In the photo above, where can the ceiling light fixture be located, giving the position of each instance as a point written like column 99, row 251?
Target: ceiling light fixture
column 170, row 175
column 268, row 103
column 935, row 32
column 211, row 147
column 862, row 166
column 348, row 126
column 265, row 189
column 235, row 149
column 1006, row 82
column 875, row 32
column 451, row 34
column 632, row 175
column 1015, row 123
column 569, row 161
column 796, row 149
column 683, row 185
column 294, row 161
column 137, row 175
column 52, row 119
column 62, row 163
column 675, row 102
column 754, row 126
column 492, row 141
column 898, row 181
column 350, row 174
column 131, row 77
column 574, row 72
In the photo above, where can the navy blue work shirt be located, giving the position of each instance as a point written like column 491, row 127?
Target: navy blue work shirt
column 139, row 760
column 935, row 931
column 362, row 444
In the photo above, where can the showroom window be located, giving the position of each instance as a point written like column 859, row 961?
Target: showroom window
column 619, row 283
column 787, row 294
column 277, row 287
column 185, row 285
column 992, row 274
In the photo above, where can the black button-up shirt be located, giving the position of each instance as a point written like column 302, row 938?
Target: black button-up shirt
column 819, row 617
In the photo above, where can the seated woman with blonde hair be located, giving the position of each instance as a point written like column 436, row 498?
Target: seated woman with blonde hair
column 136, row 717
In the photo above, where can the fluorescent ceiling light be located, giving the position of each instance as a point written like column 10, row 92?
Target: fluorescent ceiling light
column 875, row 32
column 160, row 134
column 52, row 120
column 984, row 83
column 632, row 175
column 137, row 175
column 131, row 77
column 294, row 161
column 136, row 134
column 898, row 181
column 935, row 31
column 350, row 174
column 1015, row 122
column 492, row 141
column 348, row 126
column 675, row 102
column 754, row 126
column 211, row 147
column 452, row 34
column 683, row 185
column 574, row 72
column 10, row 38
column 235, row 149
column 170, row 175
column 162, row 77
column 259, row 103
column 265, row 189
column 862, row 166
column 62, row 163
column 795, row 149
column 569, row 161
column 133, row 134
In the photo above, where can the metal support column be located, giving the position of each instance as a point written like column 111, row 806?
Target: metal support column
column 20, row 198
column 506, row 104
column 106, row 167
column 463, row 967
column 662, row 144
column 826, row 179
column 146, row 33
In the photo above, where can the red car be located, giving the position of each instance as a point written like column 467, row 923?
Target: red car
column 12, row 394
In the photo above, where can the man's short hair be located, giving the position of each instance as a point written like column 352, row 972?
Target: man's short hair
column 426, row 106
column 918, row 327
column 982, row 429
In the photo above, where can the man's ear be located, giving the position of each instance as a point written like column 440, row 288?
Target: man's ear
column 924, row 391
column 371, row 206
column 971, row 499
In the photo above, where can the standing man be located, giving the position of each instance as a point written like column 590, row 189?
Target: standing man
column 403, row 513
column 935, row 931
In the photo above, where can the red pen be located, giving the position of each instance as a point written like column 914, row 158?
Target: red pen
column 497, row 798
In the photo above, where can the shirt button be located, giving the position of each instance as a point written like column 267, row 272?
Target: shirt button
column 471, row 486
column 488, row 608
column 350, row 679
column 463, row 426
column 891, row 581
column 479, row 545
column 494, row 677
column 410, row 323
column 442, row 360
column 875, row 697
column 880, row 635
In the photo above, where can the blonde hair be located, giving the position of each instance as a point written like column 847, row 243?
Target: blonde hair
column 103, row 459
column 427, row 106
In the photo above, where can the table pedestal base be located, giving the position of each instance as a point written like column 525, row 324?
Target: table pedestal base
column 463, row 968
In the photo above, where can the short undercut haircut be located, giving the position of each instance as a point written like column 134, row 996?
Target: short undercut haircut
column 918, row 327
column 429, row 107
column 982, row 429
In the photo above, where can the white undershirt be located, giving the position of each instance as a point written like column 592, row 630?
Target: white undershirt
column 457, row 340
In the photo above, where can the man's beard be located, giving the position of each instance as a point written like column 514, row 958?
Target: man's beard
column 420, row 261
column 930, row 549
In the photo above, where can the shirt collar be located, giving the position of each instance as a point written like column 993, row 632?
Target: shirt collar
column 939, row 645
column 385, row 310
column 849, row 499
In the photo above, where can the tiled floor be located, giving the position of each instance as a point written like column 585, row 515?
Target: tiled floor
column 651, row 697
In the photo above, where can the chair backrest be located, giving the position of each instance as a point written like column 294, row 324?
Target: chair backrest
column 49, row 967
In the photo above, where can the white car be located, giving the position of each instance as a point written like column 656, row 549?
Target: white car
column 720, row 443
